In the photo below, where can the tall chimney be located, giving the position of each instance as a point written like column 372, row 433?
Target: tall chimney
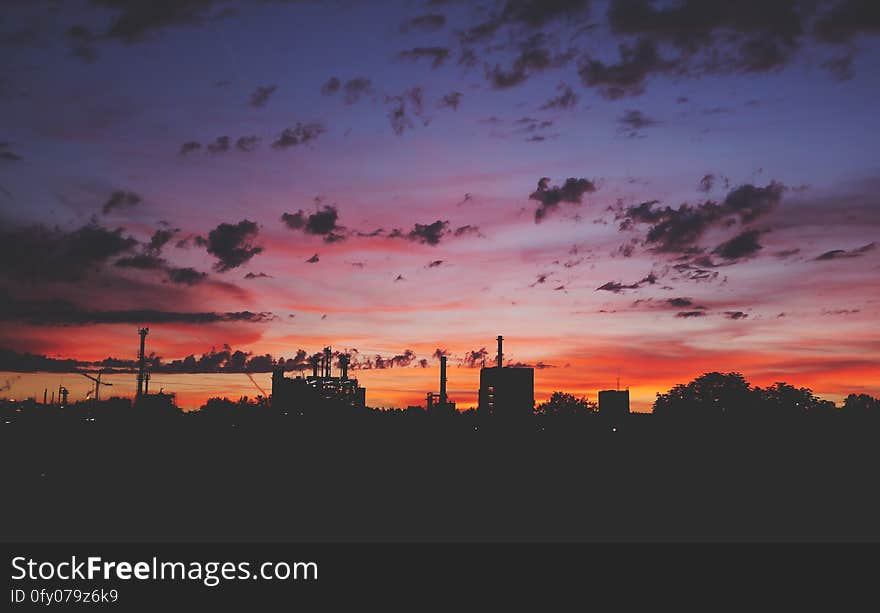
column 315, row 359
column 443, row 379
column 328, row 361
column 141, row 361
column 343, row 365
column 500, row 339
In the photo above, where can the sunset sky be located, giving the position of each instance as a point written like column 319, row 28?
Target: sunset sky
column 633, row 189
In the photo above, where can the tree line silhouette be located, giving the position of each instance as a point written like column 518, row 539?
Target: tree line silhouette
column 710, row 397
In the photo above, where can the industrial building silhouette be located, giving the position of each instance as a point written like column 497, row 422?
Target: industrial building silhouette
column 321, row 385
column 506, row 391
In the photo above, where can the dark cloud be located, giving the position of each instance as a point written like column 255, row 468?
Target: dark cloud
column 424, row 23
column 627, row 77
column 840, row 311
column 121, row 199
column 680, row 230
column 228, row 360
column 707, row 183
column 566, row 99
column 323, row 222
column 750, row 202
column 355, row 88
column 473, row 359
column 532, row 14
column 331, row 86
column 540, row 279
column 247, row 143
column 538, row 13
column 430, row 234
column 257, row 275
column 134, row 19
column 838, row 254
column 141, row 261
column 82, row 43
column 468, row 230
column 572, row 191
column 232, row 244
column 744, row 35
column 402, row 360
column 298, row 135
column 840, row 67
column 261, row 95
column 14, row 361
column 450, row 101
column 735, row 315
column 847, row 19
column 531, row 127
column 6, row 154
column 690, row 314
column 189, row 147
column 150, row 260
column 534, row 57
column 64, row 313
column 437, row 55
column 617, row 287
column 435, row 263
column 631, row 123
column 185, row 276
column 786, row 253
column 690, row 272
column 683, row 303
column 468, row 58
column 37, row 253
column 314, row 260
column 410, row 102
column 220, row 145
column 743, row 245
column 160, row 238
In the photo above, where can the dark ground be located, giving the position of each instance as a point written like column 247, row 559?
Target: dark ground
column 422, row 479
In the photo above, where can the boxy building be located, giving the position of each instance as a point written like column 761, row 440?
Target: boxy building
column 506, row 391
column 614, row 403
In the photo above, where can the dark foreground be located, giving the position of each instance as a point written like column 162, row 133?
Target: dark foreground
column 375, row 479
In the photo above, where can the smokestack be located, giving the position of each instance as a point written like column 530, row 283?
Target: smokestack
column 500, row 339
column 328, row 361
column 315, row 360
column 141, row 361
column 343, row 365
column 442, row 379
column 45, row 393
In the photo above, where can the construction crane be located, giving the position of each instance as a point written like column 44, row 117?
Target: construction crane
column 97, row 380
column 257, row 385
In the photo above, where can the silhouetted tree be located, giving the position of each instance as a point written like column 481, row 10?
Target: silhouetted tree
column 564, row 405
column 861, row 405
column 783, row 401
column 712, row 394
